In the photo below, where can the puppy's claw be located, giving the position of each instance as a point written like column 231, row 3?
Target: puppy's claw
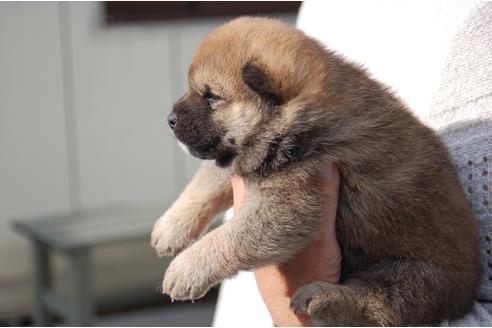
column 183, row 281
column 303, row 299
column 300, row 305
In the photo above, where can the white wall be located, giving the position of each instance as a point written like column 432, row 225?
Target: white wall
column 82, row 124
column 33, row 150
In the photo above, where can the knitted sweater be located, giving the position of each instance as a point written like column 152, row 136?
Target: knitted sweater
column 462, row 113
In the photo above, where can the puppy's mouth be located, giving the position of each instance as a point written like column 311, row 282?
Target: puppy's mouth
column 198, row 147
column 207, row 151
column 210, row 151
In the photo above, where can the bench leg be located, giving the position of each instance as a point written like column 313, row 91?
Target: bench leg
column 81, row 307
column 41, row 282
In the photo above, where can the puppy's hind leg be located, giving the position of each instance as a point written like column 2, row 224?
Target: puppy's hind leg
column 396, row 292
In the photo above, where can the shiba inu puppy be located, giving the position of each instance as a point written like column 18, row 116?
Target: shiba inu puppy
column 272, row 105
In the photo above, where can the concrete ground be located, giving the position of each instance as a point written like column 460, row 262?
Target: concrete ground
column 178, row 315
column 154, row 312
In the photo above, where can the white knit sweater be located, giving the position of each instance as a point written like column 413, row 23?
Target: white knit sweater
column 462, row 113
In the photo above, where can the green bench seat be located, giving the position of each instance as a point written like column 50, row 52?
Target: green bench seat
column 75, row 235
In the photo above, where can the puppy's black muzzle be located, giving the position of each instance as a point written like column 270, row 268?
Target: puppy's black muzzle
column 192, row 123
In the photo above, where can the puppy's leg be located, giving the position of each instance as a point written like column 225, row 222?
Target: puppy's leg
column 396, row 292
column 208, row 194
column 272, row 226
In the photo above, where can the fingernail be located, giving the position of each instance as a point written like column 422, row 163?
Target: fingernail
column 327, row 172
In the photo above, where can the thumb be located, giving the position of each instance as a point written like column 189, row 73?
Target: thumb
column 329, row 174
column 329, row 180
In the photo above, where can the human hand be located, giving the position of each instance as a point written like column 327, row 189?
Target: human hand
column 319, row 261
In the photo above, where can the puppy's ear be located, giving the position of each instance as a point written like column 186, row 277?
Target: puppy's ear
column 259, row 82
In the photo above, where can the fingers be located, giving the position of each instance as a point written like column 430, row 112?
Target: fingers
column 329, row 179
column 238, row 191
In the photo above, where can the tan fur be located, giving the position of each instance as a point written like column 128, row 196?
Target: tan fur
column 272, row 105
column 208, row 194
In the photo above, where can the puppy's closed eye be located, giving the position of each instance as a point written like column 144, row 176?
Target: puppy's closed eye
column 211, row 97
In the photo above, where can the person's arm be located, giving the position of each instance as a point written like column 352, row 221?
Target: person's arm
column 320, row 261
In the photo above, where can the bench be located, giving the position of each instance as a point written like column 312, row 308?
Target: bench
column 75, row 235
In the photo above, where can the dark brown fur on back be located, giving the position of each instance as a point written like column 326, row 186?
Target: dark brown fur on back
column 408, row 236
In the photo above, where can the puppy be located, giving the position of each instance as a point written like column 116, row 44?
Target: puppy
column 270, row 104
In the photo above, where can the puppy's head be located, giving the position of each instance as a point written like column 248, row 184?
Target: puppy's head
column 243, row 84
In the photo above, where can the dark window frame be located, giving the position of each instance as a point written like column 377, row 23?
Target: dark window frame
column 119, row 12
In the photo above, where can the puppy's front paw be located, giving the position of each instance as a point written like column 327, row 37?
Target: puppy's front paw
column 170, row 235
column 188, row 277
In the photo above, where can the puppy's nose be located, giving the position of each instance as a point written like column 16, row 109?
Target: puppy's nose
column 172, row 120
